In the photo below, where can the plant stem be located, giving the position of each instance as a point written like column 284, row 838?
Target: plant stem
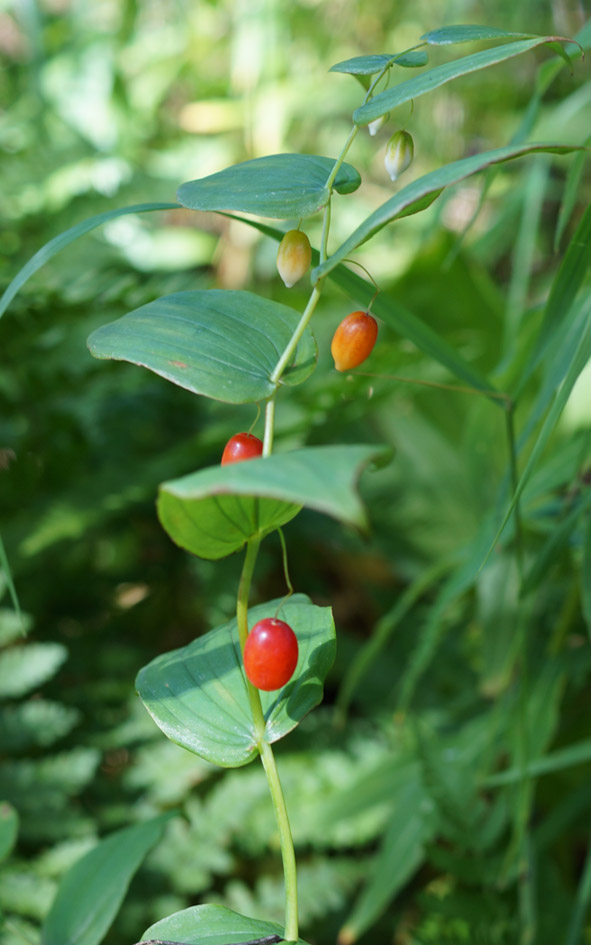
column 252, row 550
column 293, row 342
column 287, row 850
column 269, row 427
column 266, row 753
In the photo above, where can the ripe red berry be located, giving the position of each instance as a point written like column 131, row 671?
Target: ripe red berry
column 270, row 654
column 241, row 446
column 353, row 340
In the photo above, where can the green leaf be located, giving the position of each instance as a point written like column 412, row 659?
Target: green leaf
column 432, row 79
column 401, row 854
column 565, row 286
column 560, row 760
column 91, row 892
column 580, row 359
column 60, row 242
column 446, row 35
column 422, row 192
column 211, row 925
column 9, row 583
column 281, row 186
column 571, row 192
column 586, row 576
column 8, row 829
column 369, row 65
column 197, row 695
column 215, row 511
column 23, row 668
column 221, row 344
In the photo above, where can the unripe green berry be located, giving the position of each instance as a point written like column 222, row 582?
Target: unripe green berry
column 293, row 257
column 399, row 153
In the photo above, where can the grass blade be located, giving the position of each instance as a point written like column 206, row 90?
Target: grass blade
column 64, row 239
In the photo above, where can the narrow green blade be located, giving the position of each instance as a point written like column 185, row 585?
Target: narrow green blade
column 440, row 75
column 91, row 892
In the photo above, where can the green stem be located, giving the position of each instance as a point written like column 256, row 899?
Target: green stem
column 252, row 550
column 293, row 343
column 269, row 426
column 287, row 850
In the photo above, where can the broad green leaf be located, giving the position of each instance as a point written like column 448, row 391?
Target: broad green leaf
column 91, row 892
column 60, row 242
column 213, row 512
column 586, row 576
column 401, row 854
column 446, row 35
column 8, row 828
column 396, row 316
column 222, row 344
column 369, row 65
column 23, row 668
column 281, row 186
column 197, row 695
column 432, row 79
column 422, row 192
column 211, row 925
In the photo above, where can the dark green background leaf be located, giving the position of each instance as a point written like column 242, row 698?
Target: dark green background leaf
column 222, row 344
column 8, row 828
column 197, row 695
column 280, row 185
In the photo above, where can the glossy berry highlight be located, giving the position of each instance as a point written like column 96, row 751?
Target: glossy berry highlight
column 241, row 446
column 353, row 340
column 293, row 257
column 270, row 654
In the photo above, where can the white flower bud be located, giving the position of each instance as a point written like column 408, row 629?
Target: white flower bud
column 374, row 126
column 399, row 154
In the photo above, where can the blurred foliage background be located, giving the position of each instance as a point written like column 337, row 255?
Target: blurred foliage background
column 406, row 827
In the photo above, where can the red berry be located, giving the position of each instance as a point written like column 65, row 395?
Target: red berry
column 241, row 446
column 353, row 340
column 270, row 654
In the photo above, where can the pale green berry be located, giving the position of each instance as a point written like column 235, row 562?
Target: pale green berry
column 374, row 126
column 399, row 153
column 293, row 257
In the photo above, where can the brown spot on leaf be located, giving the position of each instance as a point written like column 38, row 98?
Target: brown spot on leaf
column 178, row 363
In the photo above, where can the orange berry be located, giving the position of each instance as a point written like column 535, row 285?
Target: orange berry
column 293, row 257
column 353, row 340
